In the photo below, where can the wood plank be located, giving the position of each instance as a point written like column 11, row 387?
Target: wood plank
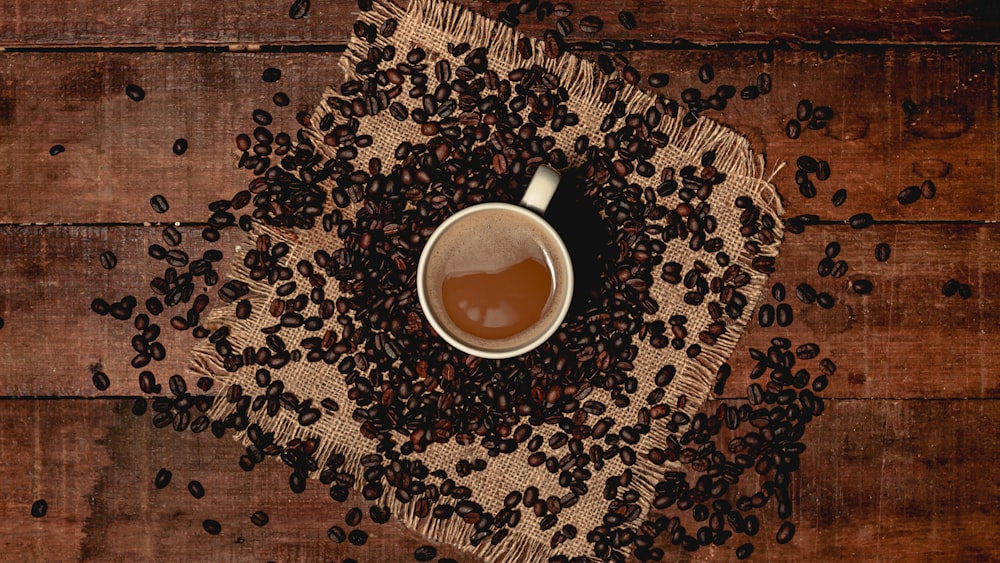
column 189, row 22
column 879, row 480
column 903, row 340
column 119, row 152
column 872, row 150
column 95, row 463
column 888, row 480
column 113, row 144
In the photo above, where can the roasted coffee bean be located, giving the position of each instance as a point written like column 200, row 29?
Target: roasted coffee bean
column 793, row 129
column 425, row 553
column 804, row 110
column 862, row 286
column 101, row 380
column 358, row 537
column 908, row 195
column 271, row 74
column 627, row 19
column 108, row 260
column 950, row 287
column 706, row 73
column 180, row 146
column 212, row 527
column 159, row 204
column 336, row 534
column 658, row 79
column 56, row 150
column 196, row 489
column 928, row 189
column 299, row 9
column 765, row 315
column 163, row 477
column 259, row 518
column 135, row 93
column 785, row 532
column 39, row 508
column 562, row 10
column 838, row 199
column 591, row 24
column 744, row 551
column 783, row 314
column 861, row 221
column 353, row 517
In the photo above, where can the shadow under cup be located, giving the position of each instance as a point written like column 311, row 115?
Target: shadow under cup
column 486, row 247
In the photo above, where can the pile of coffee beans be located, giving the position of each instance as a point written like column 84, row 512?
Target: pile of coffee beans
column 484, row 134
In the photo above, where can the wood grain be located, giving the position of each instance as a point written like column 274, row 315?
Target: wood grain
column 118, row 152
column 114, row 146
column 877, row 476
column 192, row 23
column 902, row 341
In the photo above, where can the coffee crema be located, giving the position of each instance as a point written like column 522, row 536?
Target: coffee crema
column 494, row 279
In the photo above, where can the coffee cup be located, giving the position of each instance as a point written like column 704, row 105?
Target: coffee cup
column 495, row 279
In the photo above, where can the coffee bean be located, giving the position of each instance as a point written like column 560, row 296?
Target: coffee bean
column 908, row 195
column 336, row 534
column 159, row 204
column 196, row 489
column 212, row 527
column 108, row 260
column 765, row 315
column 358, row 537
column 162, row 478
column 627, row 19
column 259, row 518
column 658, row 79
column 744, row 551
column 965, row 291
column 425, row 553
column 101, row 380
column 861, row 221
column 180, row 146
column 271, row 74
column 56, row 149
column 353, row 517
column 591, row 24
column 804, row 110
column 793, row 129
column 784, row 315
column 135, row 93
column 928, row 189
column 39, row 508
column 299, row 9
column 950, row 287
column 862, row 286
column 778, row 291
column 785, row 533
column 839, row 197
column 706, row 73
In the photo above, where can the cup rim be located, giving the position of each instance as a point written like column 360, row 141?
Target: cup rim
column 527, row 346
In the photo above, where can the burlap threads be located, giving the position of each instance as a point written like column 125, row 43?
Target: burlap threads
column 433, row 25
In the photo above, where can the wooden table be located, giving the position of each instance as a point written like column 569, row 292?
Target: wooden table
column 903, row 464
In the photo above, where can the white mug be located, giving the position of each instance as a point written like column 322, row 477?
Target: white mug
column 491, row 222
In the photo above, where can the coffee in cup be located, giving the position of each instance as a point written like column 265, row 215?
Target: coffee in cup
column 495, row 280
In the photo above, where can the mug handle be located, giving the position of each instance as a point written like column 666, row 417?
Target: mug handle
column 541, row 189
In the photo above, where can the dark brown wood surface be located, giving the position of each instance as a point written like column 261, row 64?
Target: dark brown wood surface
column 901, row 466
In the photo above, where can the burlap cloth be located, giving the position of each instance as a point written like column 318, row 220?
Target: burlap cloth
column 433, row 25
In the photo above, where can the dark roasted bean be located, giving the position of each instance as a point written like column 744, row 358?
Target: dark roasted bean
column 299, row 9
column 135, row 93
column 159, row 204
column 56, row 150
column 212, row 527
column 180, row 146
column 591, row 24
column 108, row 260
column 162, row 478
column 259, row 518
column 39, row 508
